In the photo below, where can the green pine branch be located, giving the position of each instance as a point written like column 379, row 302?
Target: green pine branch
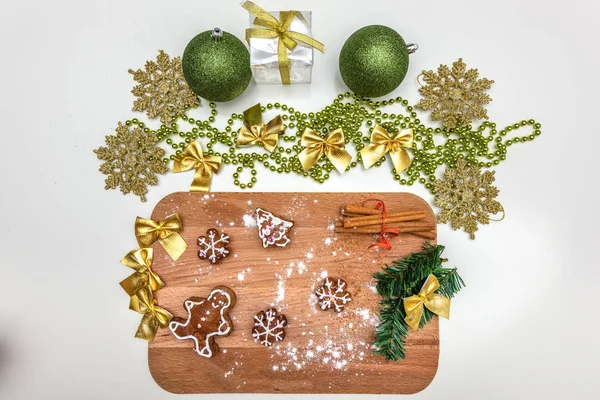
column 404, row 275
column 404, row 278
column 392, row 330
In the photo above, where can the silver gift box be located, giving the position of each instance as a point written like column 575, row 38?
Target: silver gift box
column 263, row 54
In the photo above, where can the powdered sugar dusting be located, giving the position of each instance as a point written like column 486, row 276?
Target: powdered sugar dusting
column 249, row 220
column 280, row 289
column 302, row 268
column 331, row 349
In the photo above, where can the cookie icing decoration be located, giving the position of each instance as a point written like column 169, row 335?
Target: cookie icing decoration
column 269, row 327
column 207, row 319
column 272, row 230
column 213, row 247
column 333, row 295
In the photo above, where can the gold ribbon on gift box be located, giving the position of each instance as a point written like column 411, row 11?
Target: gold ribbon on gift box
column 254, row 132
column 193, row 158
column 272, row 28
column 141, row 261
column 166, row 232
column 154, row 316
column 382, row 143
column 332, row 146
column 436, row 303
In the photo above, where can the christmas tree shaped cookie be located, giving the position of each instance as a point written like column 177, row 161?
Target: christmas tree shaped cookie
column 273, row 231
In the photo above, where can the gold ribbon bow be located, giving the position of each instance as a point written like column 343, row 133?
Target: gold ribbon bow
column 382, row 143
column 273, row 28
column 193, row 158
column 333, row 146
column 154, row 316
column 141, row 261
column 255, row 133
column 166, row 232
column 436, row 303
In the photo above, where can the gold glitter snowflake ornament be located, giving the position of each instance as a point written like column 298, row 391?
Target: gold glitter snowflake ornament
column 466, row 197
column 162, row 90
column 455, row 96
column 131, row 160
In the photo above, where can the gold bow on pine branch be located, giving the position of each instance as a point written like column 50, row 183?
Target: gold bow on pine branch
column 332, row 146
column 254, row 132
column 193, row 158
column 272, row 28
column 154, row 316
column 382, row 142
column 166, row 232
column 141, row 261
column 436, row 303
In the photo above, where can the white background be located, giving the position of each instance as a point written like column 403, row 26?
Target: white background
column 525, row 326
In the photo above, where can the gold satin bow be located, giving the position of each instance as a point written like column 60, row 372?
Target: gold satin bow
column 333, row 146
column 141, row 261
column 255, row 133
column 274, row 28
column 382, row 143
column 154, row 316
column 166, row 232
column 436, row 303
column 193, row 158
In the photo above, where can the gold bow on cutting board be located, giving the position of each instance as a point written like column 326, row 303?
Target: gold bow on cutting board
column 436, row 303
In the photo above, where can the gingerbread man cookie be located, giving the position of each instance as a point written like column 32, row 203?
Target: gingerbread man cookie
column 213, row 247
column 333, row 295
column 207, row 318
column 272, row 230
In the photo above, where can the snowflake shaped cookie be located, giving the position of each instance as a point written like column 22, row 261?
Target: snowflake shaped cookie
column 466, row 197
column 269, row 327
column 273, row 231
column 213, row 247
column 207, row 319
column 132, row 159
column 162, row 90
column 333, row 295
column 456, row 96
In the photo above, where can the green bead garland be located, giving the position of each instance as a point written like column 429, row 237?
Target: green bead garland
column 484, row 145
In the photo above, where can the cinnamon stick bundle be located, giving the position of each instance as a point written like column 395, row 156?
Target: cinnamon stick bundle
column 360, row 219
column 376, row 219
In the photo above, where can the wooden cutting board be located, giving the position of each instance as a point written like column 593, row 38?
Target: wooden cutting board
column 323, row 352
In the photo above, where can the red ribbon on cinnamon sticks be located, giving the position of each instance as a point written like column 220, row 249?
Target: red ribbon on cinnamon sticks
column 383, row 241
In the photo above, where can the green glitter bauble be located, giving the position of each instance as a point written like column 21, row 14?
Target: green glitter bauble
column 216, row 65
column 374, row 61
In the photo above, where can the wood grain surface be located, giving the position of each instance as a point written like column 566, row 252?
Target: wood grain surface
column 323, row 352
